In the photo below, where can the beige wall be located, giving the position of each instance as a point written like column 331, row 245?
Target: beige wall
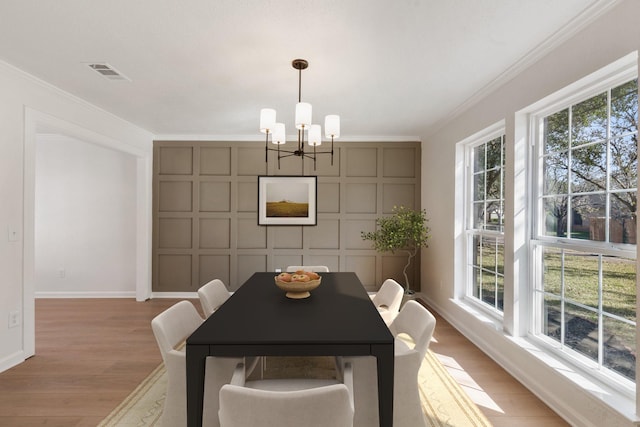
column 610, row 37
column 205, row 212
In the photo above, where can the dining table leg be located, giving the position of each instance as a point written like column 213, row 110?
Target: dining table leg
column 384, row 354
column 196, row 358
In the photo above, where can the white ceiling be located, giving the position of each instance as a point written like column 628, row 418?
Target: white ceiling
column 390, row 68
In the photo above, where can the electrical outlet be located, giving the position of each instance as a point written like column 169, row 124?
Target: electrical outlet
column 14, row 319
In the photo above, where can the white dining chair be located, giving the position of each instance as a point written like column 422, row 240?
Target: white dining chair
column 171, row 328
column 314, row 268
column 412, row 329
column 388, row 299
column 212, row 295
column 287, row 402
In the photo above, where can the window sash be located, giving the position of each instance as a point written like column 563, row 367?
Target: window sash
column 603, row 246
column 484, row 284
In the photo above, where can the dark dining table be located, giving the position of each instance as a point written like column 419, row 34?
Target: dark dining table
column 338, row 319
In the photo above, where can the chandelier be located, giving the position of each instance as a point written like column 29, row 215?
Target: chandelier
column 303, row 124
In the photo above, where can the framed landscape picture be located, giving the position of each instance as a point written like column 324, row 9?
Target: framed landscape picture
column 287, row 200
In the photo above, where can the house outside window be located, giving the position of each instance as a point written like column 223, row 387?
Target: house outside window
column 584, row 228
column 484, row 222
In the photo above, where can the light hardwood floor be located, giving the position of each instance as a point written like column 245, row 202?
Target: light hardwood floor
column 91, row 353
column 505, row 401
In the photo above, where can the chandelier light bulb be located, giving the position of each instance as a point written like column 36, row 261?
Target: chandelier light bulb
column 267, row 120
column 279, row 134
column 332, row 126
column 315, row 135
column 303, row 115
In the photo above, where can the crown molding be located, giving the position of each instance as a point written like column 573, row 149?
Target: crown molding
column 291, row 139
column 589, row 15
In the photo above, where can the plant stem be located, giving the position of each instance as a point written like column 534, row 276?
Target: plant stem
column 404, row 270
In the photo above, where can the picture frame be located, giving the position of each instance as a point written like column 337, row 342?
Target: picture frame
column 287, row 200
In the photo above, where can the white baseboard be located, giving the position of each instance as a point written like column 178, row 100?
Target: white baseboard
column 12, row 360
column 96, row 294
column 179, row 295
column 118, row 294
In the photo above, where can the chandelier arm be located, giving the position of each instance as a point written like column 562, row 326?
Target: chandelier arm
column 291, row 155
column 317, row 152
column 299, row 153
column 282, row 150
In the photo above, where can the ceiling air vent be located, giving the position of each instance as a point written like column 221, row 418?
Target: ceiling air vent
column 107, row 71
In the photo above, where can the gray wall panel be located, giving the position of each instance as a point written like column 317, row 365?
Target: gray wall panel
column 175, row 233
column 251, row 235
column 247, row 265
column 361, row 198
column 250, row 162
column 247, row 196
column 215, row 196
column 215, row 161
column 214, row 266
column 176, row 161
column 328, row 197
column 215, row 233
column 175, row 196
column 174, row 273
column 282, row 261
column 362, row 162
column 398, row 195
column 287, row 237
column 398, row 162
column 205, row 211
column 326, row 235
column 365, row 267
column 352, row 230
column 392, row 267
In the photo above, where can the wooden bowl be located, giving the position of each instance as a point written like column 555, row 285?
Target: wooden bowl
column 298, row 290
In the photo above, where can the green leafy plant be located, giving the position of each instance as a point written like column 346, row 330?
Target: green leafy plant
column 404, row 230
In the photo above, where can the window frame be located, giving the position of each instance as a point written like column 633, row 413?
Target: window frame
column 539, row 241
column 483, row 137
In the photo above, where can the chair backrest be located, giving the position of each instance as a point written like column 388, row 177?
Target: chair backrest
column 389, row 295
column 314, row 268
column 174, row 325
column 212, row 295
column 417, row 322
column 316, row 407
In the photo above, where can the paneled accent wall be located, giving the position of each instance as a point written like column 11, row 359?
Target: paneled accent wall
column 205, row 203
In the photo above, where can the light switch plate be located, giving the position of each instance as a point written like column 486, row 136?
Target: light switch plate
column 14, row 319
column 12, row 234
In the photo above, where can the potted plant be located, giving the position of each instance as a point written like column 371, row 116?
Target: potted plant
column 405, row 230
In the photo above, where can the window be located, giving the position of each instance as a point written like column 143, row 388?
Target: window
column 485, row 220
column 584, row 232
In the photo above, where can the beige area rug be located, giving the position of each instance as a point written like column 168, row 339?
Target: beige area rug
column 443, row 401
